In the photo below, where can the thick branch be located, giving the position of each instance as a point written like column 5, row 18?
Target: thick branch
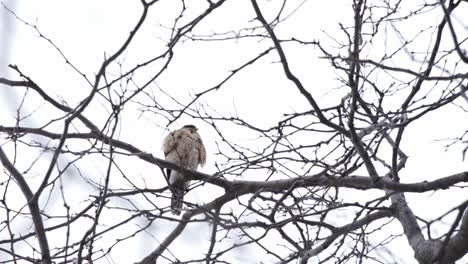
column 427, row 251
column 33, row 205
column 321, row 179
column 457, row 245
column 408, row 221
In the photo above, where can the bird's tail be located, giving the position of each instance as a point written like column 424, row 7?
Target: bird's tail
column 177, row 198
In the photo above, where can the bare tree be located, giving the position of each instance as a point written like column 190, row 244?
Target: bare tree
column 310, row 124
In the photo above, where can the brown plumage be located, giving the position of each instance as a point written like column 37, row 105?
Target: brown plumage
column 183, row 147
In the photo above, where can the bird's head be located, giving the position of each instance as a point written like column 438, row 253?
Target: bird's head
column 191, row 127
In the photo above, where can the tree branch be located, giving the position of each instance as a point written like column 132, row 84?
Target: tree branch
column 320, row 179
column 33, row 205
column 215, row 204
column 342, row 231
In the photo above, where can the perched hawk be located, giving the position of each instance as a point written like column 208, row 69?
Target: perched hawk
column 183, row 147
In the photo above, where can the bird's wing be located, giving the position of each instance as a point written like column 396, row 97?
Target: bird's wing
column 201, row 151
column 170, row 146
column 170, row 142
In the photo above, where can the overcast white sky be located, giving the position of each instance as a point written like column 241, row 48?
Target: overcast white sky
column 87, row 30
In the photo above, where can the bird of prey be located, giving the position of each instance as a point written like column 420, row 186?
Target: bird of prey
column 183, row 147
